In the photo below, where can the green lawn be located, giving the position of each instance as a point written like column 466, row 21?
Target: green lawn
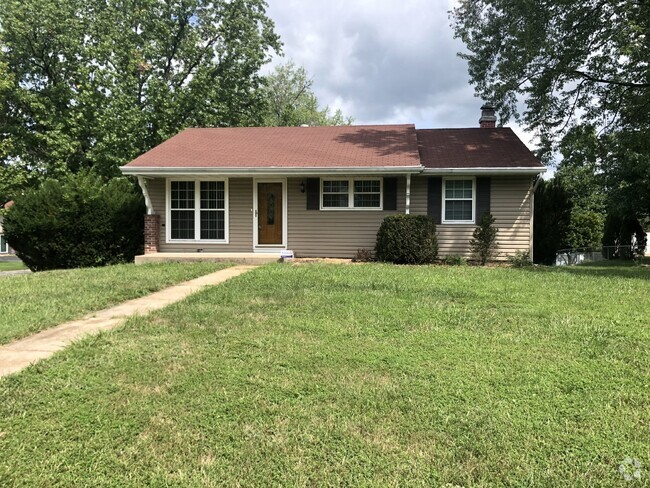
column 326, row 375
column 29, row 303
column 11, row 265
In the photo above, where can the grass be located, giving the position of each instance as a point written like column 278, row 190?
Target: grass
column 29, row 303
column 11, row 266
column 372, row 375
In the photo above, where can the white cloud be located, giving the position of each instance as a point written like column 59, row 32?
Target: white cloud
column 388, row 61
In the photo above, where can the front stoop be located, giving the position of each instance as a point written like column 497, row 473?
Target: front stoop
column 248, row 258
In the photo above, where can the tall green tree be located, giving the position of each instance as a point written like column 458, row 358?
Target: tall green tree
column 580, row 174
column 291, row 100
column 94, row 83
column 571, row 64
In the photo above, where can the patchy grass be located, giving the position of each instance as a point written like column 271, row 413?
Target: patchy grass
column 11, row 266
column 29, row 303
column 325, row 375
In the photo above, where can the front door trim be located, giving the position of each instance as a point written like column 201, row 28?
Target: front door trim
column 270, row 247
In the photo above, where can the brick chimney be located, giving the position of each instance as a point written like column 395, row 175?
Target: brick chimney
column 488, row 120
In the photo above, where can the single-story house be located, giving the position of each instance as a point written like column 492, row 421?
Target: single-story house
column 4, row 245
column 324, row 191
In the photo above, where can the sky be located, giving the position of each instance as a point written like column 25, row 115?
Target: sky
column 382, row 61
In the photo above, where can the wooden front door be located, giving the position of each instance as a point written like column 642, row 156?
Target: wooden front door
column 269, row 218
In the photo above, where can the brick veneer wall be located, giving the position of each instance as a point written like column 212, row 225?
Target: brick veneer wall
column 151, row 233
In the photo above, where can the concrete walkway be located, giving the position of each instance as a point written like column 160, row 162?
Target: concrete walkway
column 15, row 272
column 18, row 355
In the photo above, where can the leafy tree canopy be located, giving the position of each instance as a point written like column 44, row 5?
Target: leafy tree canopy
column 94, row 83
column 572, row 64
column 292, row 102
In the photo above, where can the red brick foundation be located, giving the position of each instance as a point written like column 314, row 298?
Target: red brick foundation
column 151, row 233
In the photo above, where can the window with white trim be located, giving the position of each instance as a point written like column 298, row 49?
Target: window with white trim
column 458, row 200
column 4, row 247
column 350, row 193
column 197, row 210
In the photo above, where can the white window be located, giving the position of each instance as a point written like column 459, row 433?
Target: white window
column 197, row 210
column 4, row 247
column 458, row 200
column 351, row 193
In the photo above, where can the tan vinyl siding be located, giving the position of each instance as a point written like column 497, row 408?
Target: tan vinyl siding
column 240, row 191
column 340, row 233
column 333, row 233
column 510, row 204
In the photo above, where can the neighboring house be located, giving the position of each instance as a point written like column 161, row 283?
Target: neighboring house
column 4, row 246
column 324, row 191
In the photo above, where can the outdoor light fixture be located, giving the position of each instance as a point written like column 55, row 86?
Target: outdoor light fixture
column 302, row 187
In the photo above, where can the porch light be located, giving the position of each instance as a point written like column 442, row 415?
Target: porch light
column 302, row 187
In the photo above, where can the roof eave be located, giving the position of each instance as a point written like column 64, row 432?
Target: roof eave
column 522, row 170
column 172, row 171
column 347, row 170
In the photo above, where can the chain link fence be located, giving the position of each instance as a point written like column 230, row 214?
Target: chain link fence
column 568, row 257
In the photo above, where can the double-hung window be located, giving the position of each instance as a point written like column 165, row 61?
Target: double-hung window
column 351, row 193
column 458, row 200
column 198, row 211
column 4, row 247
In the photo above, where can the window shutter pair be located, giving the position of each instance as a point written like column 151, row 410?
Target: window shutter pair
column 434, row 197
column 312, row 188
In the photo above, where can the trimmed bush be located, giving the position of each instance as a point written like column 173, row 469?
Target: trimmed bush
column 483, row 245
column 407, row 239
column 76, row 222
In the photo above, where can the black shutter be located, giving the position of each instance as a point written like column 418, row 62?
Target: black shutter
column 390, row 193
column 483, row 188
column 434, row 198
column 313, row 193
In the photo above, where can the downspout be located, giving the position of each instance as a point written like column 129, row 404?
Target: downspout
column 145, row 192
column 408, row 193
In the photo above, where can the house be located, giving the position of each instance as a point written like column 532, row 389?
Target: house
column 324, row 191
column 4, row 246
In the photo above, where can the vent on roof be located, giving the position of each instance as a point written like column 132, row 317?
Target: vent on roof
column 304, row 125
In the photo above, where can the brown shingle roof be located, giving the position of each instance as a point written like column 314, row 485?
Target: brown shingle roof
column 474, row 148
column 339, row 147
column 286, row 147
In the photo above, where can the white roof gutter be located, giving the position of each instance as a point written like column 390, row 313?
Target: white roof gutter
column 161, row 171
column 361, row 170
column 524, row 170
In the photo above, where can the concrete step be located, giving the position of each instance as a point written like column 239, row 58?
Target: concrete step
column 250, row 258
